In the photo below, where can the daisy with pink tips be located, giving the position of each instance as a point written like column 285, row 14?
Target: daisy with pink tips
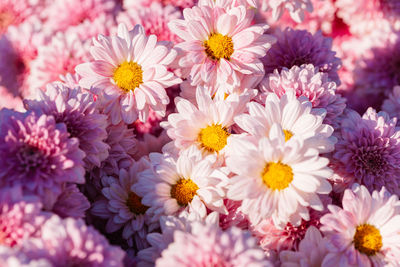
column 220, row 44
column 189, row 182
column 122, row 207
column 312, row 251
column 365, row 232
column 277, row 178
column 295, row 116
column 207, row 126
column 129, row 74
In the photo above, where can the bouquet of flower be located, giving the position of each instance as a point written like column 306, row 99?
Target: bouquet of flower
column 209, row 133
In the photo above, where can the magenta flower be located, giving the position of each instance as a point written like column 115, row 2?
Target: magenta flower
column 77, row 110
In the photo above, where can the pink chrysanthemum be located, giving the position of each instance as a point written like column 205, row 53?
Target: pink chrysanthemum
column 123, row 208
column 18, row 48
column 208, row 245
column 71, row 203
column 129, row 74
column 365, row 232
column 59, row 57
column 154, row 20
column 312, row 251
column 220, row 45
column 377, row 73
column 38, row 154
column 297, row 47
column 235, row 216
column 368, row 148
column 392, row 104
column 14, row 12
column 320, row 19
column 20, row 216
column 60, row 14
column 307, row 81
column 365, row 17
column 296, row 8
column 149, row 143
column 168, row 225
column 10, row 100
column 70, row 242
column 77, row 110
column 133, row 4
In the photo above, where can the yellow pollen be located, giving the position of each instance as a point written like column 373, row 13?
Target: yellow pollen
column 128, row 76
column 277, row 176
column 184, row 191
column 288, row 135
column 367, row 239
column 134, row 203
column 218, row 46
column 213, row 138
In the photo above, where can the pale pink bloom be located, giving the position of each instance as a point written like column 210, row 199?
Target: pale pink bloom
column 235, row 216
column 59, row 57
column 321, row 18
column 14, row 12
column 207, row 125
column 60, row 15
column 150, row 143
column 308, row 81
column 365, row 17
column 168, row 225
column 129, row 74
column 18, row 48
column 311, row 252
column 103, row 24
column 365, row 232
column 133, row 4
column 187, row 183
column 295, row 116
column 122, row 207
column 154, row 20
column 20, row 216
column 277, row 178
column 70, row 242
column 208, row 245
column 392, row 104
column 220, row 45
column 296, row 8
column 9, row 100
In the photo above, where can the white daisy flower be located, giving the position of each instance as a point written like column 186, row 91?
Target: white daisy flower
column 295, row 116
column 277, row 178
column 187, row 183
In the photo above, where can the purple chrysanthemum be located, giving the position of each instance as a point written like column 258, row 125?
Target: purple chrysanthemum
column 297, row 47
column 369, row 149
column 70, row 242
column 376, row 75
column 77, row 110
column 20, row 216
column 38, row 154
column 71, row 203
column 208, row 245
column 392, row 104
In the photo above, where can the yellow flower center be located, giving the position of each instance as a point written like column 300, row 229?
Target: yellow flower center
column 367, row 239
column 288, row 135
column 213, row 138
column 184, row 191
column 134, row 203
column 277, row 176
column 218, row 46
column 128, row 76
